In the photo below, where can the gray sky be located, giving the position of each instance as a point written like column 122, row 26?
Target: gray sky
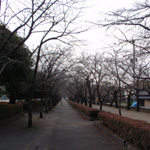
column 96, row 37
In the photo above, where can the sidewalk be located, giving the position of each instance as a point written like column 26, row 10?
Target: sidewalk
column 145, row 116
column 62, row 129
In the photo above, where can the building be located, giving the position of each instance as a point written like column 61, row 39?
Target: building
column 144, row 98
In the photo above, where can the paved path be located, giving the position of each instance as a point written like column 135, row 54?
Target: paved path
column 62, row 129
column 145, row 116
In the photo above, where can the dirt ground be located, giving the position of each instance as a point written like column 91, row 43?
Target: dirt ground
column 145, row 116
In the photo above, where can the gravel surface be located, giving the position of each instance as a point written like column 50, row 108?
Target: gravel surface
column 145, row 116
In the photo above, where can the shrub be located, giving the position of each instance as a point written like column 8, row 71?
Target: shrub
column 8, row 110
column 91, row 112
column 134, row 131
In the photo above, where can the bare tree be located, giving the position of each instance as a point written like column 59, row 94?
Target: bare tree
column 53, row 66
column 114, row 66
column 78, row 88
column 52, row 19
column 133, row 26
column 99, row 73
column 132, row 23
column 86, row 72
column 47, row 20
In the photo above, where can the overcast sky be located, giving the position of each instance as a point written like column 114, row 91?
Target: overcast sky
column 96, row 39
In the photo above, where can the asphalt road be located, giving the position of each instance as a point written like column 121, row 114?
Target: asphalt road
column 61, row 129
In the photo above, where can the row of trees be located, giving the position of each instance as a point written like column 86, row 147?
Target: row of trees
column 30, row 73
column 17, row 70
column 124, row 68
column 44, row 69
column 109, row 76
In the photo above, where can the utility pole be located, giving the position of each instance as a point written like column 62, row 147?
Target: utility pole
column 133, row 64
column 0, row 6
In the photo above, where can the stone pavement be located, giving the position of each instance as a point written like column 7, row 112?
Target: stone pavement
column 145, row 116
column 61, row 129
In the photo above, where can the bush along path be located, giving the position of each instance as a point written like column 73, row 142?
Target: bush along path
column 135, row 132
column 9, row 110
column 61, row 129
column 91, row 113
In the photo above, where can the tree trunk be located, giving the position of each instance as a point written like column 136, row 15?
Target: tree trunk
column 120, row 106
column 90, row 93
column 32, row 87
column 111, row 102
column 41, row 102
column 12, row 99
column 85, row 101
column 128, row 101
column 30, row 114
column 116, row 99
column 101, row 105
column 46, row 106
column 138, row 100
column 106, row 99
column 41, row 108
column 90, row 103
column 99, row 99
column 81, row 100
column 85, row 97
column 120, row 97
column 50, row 104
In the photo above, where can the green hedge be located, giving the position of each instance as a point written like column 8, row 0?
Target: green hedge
column 134, row 131
column 90, row 112
column 8, row 110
